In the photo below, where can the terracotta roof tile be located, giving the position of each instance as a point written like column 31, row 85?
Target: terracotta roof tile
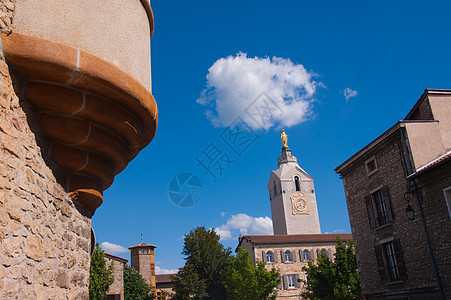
column 111, row 256
column 295, row 238
column 442, row 159
column 142, row 245
column 163, row 278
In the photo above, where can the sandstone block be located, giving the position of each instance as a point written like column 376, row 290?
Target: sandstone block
column 77, row 279
column 35, row 248
column 14, row 272
column 13, row 246
column 50, row 251
column 13, row 215
column 2, row 276
column 62, row 279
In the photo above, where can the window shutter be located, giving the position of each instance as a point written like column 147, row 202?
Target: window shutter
column 276, row 257
column 301, row 257
column 380, row 263
column 370, row 210
column 296, row 281
column 282, row 256
column 293, row 255
column 399, row 259
column 387, row 203
column 329, row 253
column 312, row 254
column 285, row 283
column 264, row 256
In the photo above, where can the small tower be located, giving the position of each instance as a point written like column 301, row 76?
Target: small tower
column 292, row 196
column 143, row 260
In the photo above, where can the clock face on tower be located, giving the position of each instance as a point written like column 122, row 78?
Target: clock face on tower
column 299, row 203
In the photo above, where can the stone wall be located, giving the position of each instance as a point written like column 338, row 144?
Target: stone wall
column 45, row 238
column 358, row 184
column 437, row 219
column 117, row 288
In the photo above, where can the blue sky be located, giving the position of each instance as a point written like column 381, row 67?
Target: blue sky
column 306, row 56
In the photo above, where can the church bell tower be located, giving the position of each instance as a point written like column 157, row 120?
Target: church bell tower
column 292, row 196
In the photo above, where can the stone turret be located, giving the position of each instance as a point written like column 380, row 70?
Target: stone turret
column 143, row 260
column 76, row 107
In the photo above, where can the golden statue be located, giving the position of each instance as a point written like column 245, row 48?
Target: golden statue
column 284, row 138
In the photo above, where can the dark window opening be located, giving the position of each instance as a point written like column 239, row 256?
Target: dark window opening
column 390, row 261
column 378, row 207
column 297, row 184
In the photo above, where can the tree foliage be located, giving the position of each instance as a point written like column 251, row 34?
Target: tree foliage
column 100, row 277
column 205, row 257
column 244, row 281
column 135, row 286
column 334, row 280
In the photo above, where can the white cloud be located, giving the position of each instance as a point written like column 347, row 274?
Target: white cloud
column 245, row 225
column 348, row 93
column 275, row 92
column 159, row 270
column 113, row 248
column 223, row 213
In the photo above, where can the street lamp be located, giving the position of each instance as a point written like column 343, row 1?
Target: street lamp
column 410, row 212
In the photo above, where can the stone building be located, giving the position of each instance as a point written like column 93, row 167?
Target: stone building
column 289, row 254
column 164, row 286
column 297, row 235
column 76, row 107
column 143, row 260
column 116, row 291
column 398, row 195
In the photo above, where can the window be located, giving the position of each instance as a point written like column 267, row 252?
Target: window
column 371, row 166
column 297, row 184
column 146, row 251
column 288, row 255
column 269, row 256
column 291, row 281
column 305, row 255
column 390, row 261
column 378, row 207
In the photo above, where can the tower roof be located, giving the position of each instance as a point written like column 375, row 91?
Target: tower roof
column 142, row 245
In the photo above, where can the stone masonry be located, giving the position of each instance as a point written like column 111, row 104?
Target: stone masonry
column 47, row 198
column 45, row 239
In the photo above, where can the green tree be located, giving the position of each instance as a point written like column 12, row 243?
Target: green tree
column 135, row 287
column 100, row 277
column 338, row 279
column 205, row 257
column 244, row 281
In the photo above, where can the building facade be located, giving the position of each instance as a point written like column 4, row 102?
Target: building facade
column 164, row 286
column 289, row 254
column 397, row 192
column 116, row 290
